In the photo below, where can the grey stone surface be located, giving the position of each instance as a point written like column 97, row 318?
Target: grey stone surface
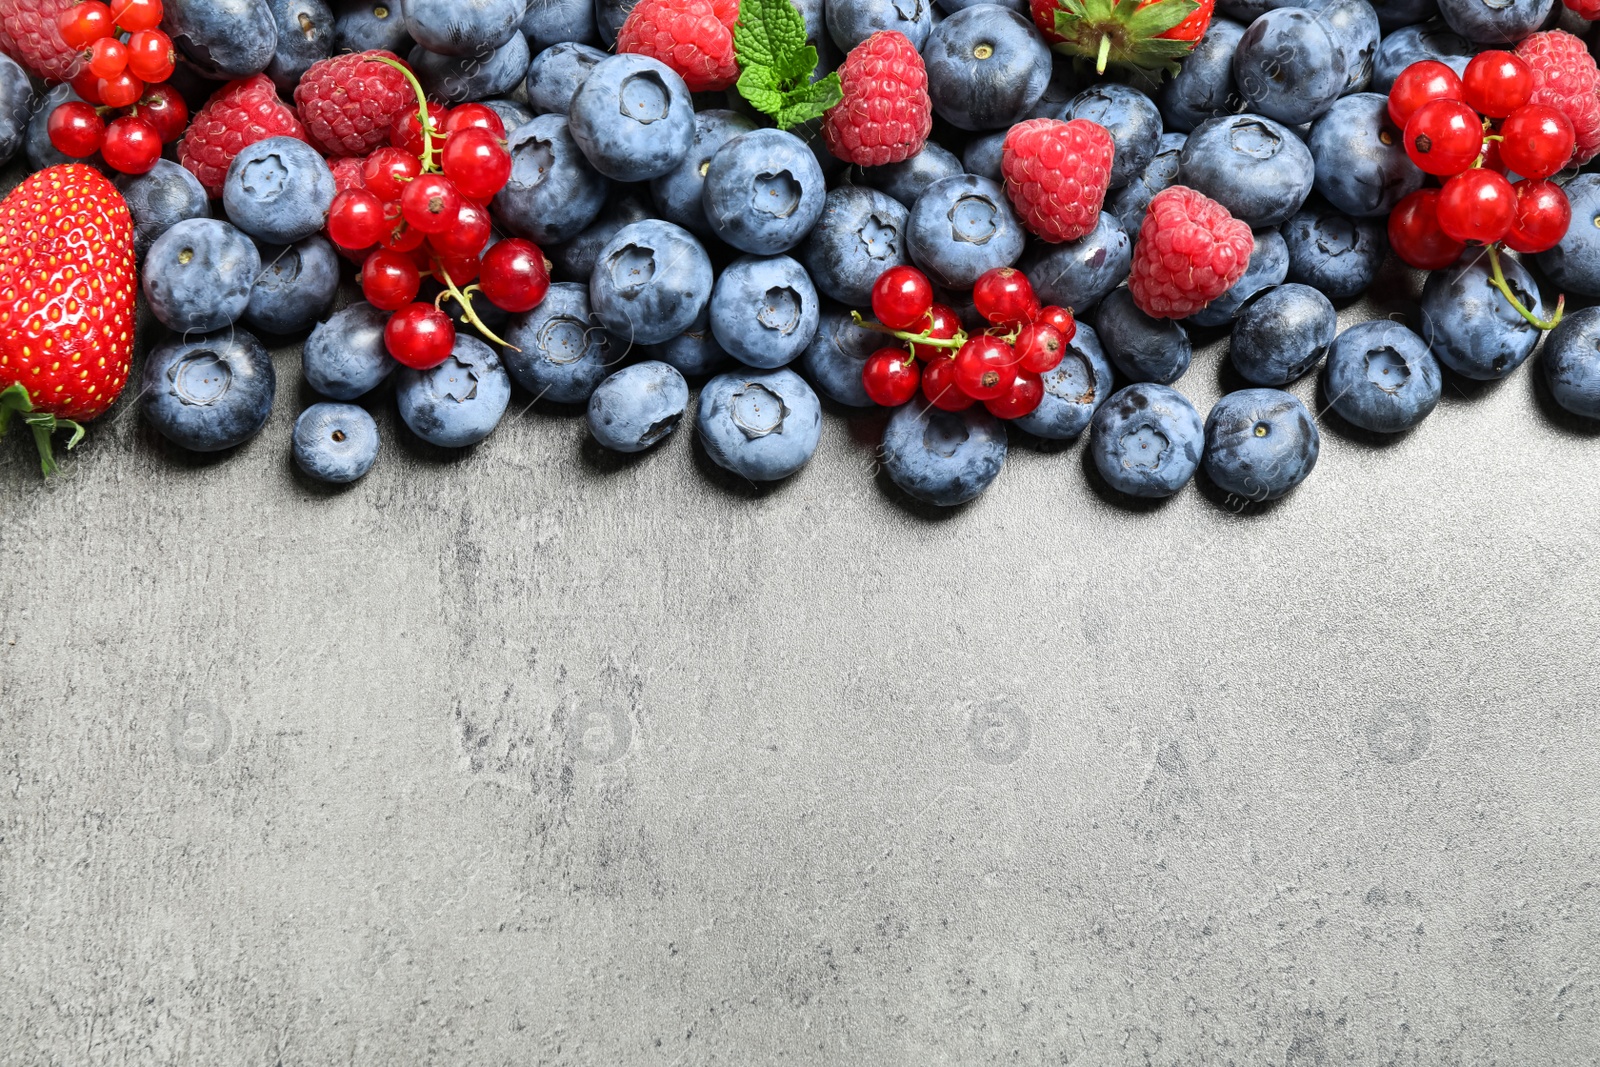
column 530, row 754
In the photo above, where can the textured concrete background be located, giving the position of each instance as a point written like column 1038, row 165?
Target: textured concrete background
column 532, row 754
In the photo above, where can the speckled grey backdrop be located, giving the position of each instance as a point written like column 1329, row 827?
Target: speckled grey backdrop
column 535, row 755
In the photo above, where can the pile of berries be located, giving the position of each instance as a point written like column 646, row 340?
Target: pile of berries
column 1001, row 367
column 126, row 61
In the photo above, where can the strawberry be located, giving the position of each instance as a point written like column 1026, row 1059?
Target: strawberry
column 1137, row 33
column 66, row 301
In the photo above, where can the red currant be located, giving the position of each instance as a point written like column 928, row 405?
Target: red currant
column 1061, row 318
column 122, row 91
column 1024, row 395
column 407, row 130
column 984, row 367
column 1497, row 83
column 515, row 276
column 1543, row 214
column 479, row 116
column 1418, row 84
column 460, row 270
column 162, row 107
column 476, row 162
column 83, row 24
column 420, row 336
column 108, row 57
column 401, row 236
column 389, row 280
column 939, row 386
column 1443, row 137
column 891, row 377
column 941, row 323
column 1039, row 347
column 388, row 171
column 1005, row 297
column 1478, row 206
column 468, row 237
column 901, row 297
column 136, row 15
column 1536, row 141
column 431, row 203
column 151, row 56
column 86, row 85
column 132, row 145
column 76, row 129
column 1415, row 236
column 355, row 219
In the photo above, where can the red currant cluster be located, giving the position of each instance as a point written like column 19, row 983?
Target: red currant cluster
column 424, row 210
column 1003, row 366
column 126, row 62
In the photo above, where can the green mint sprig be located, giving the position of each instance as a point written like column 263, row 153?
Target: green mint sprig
column 775, row 64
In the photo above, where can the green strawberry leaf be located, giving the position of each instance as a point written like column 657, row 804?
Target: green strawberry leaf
column 775, row 63
column 1152, row 20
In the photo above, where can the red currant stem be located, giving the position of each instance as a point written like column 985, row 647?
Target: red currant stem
column 42, row 423
column 465, row 300
column 422, row 107
column 916, row 338
column 1498, row 280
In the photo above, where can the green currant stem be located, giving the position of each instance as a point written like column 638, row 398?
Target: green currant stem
column 465, row 300
column 915, row 338
column 422, row 107
column 16, row 400
column 1498, row 280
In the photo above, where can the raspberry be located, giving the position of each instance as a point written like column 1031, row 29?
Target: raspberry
column 349, row 103
column 1565, row 78
column 28, row 34
column 1056, row 174
column 1190, row 251
column 347, row 173
column 1588, row 10
column 238, row 115
column 886, row 113
column 686, row 35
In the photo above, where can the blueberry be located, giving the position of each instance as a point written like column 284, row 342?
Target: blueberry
column 278, row 190
column 763, row 192
column 1574, row 263
column 1245, row 12
column 555, row 74
column 1260, row 443
column 1469, row 324
column 457, row 79
column 961, row 227
column 345, row 357
column 982, row 155
column 950, row 7
column 565, row 353
column 764, row 310
column 1395, row 14
column 1145, row 440
column 160, row 199
column 762, row 426
column 1255, row 167
column 1132, row 120
column 512, row 114
column 694, row 352
column 1355, row 24
column 553, row 193
column 649, row 282
column 1571, row 362
column 295, row 288
column 1078, row 274
column 16, row 107
column 1073, row 391
column 633, row 118
column 943, row 458
column 1143, row 349
column 1361, row 162
column 335, row 443
column 198, row 275
column 1290, row 65
column 224, row 39
column 677, row 193
column 987, row 66
column 908, row 179
column 1381, row 377
column 306, row 34
column 1283, row 335
column 1203, row 87
column 550, row 22
column 1269, row 265
column 459, row 402
column 208, row 393
column 1063, row 85
column 1495, row 23
column 1129, row 203
column 834, row 359
column 41, row 153
column 1333, row 252
column 638, row 406
column 609, row 16
column 574, row 260
column 1413, row 44
column 462, row 27
column 852, row 21
column 370, row 25
column 861, row 234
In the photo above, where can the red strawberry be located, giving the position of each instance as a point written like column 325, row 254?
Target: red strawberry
column 1056, row 175
column 28, row 34
column 886, row 114
column 1137, row 33
column 689, row 36
column 66, row 301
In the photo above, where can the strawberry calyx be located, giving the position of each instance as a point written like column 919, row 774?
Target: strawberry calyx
column 1148, row 34
column 15, row 401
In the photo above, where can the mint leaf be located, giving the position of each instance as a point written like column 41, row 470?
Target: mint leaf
column 776, row 63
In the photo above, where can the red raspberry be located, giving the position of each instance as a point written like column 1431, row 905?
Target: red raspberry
column 1588, row 10
column 237, row 116
column 1565, row 78
column 347, row 173
column 28, row 34
column 1056, row 175
column 1190, row 251
column 349, row 103
column 886, row 113
column 686, row 35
